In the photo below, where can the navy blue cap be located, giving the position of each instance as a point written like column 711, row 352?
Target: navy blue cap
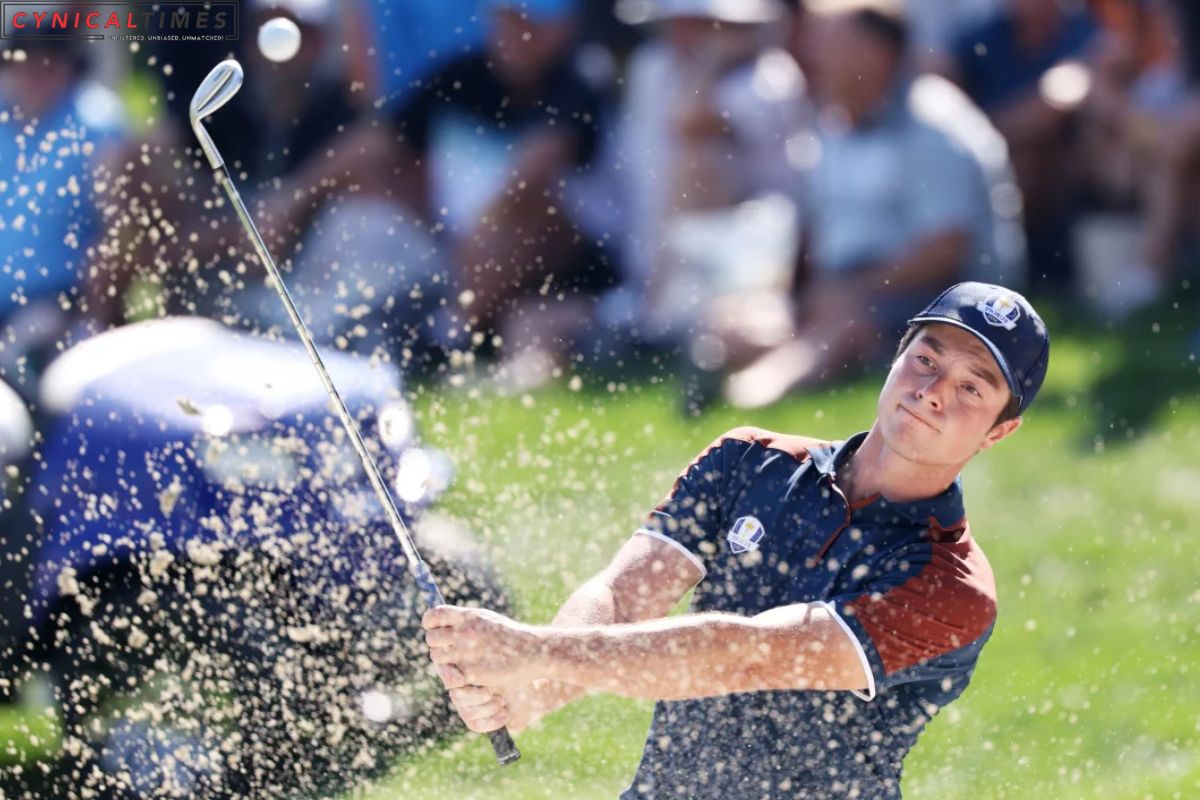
column 1005, row 322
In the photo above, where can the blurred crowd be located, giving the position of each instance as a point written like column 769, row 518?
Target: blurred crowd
column 753, row 195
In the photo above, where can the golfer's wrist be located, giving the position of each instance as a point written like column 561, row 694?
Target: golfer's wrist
column 548, row 696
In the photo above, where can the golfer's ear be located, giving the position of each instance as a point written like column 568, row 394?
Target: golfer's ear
column 1000, row 432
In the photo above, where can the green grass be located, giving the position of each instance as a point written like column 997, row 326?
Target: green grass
column 27, row 734
column 1089, row 686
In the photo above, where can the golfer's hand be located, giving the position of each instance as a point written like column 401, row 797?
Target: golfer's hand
column 483, row 710
column 524, row 707
column 474, row 647
column 486, row 710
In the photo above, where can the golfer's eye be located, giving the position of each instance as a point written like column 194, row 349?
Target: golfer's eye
column 925, row 361
column 970, row 387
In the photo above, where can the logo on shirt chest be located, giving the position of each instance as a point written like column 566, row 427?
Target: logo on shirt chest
column 745, row 535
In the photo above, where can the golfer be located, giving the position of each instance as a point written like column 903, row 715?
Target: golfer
column 840, row 597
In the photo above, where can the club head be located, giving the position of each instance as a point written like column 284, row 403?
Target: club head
column 217, row 89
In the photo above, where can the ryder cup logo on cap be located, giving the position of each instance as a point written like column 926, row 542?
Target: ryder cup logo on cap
column 1000, row 310
column 745, row 535
column 1004, row 321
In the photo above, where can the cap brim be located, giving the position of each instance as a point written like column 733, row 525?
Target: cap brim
column 1010, row 377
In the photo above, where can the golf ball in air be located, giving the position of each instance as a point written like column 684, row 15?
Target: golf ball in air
column 279, row 39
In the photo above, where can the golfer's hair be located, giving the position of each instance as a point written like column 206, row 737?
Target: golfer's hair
column 1011, row 411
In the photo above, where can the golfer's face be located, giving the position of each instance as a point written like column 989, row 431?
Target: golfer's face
column 942, row 397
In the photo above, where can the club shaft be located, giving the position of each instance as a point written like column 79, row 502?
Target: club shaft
column 502, row 744
column 416, row 564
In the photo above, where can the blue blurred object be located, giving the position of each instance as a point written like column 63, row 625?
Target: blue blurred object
column 995, row 67
column 415, row 37
column 165, row 424
column 205, row 523
column 152, row 757
column 46, row 190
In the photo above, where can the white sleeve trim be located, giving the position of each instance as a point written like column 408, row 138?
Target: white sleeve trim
column 869, row 695
column 691, row 556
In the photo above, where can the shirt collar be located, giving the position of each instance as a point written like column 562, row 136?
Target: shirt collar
column 945, row 509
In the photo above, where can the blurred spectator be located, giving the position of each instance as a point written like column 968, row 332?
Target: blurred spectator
column 1000, row 64
column 483, row 151
column 396, row 44
column 294, row 107
column 345, row 268
column 1188, row 16
column 936, row 24
column 895, row 208
column 56, row 128
column 282, row 116
column 497, row 132
column 356, row 270
column 602, row 27
column 711, row 103
column 1140, row 147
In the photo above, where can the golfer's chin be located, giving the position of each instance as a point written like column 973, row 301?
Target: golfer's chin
column 909, row 437
column 906, row 425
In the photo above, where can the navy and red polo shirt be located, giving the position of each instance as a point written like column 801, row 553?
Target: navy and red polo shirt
column 761, row 514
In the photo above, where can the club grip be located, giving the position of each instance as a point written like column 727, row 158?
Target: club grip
column 506, row 750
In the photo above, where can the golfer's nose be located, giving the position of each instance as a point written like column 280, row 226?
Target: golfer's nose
column 930, row 392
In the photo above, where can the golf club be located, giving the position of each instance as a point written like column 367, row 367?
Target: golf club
column 222, row 83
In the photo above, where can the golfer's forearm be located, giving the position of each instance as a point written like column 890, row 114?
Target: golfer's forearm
column 703, row 655
column 591, row 604
column 692, row 656
column 645, row 580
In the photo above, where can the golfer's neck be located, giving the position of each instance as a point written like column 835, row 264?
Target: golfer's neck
column 876, row 469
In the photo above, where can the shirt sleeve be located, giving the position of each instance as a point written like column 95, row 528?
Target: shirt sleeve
column 924, row 617
column 693, row 513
